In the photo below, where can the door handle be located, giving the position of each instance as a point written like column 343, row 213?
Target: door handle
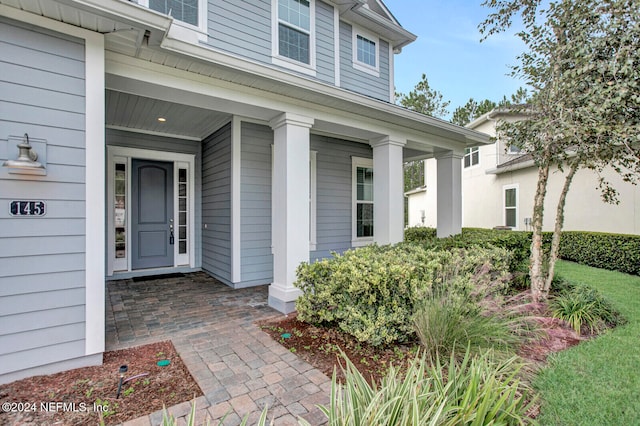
column 171, row 237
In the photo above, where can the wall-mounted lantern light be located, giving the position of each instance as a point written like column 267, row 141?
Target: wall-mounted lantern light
column 27, row 161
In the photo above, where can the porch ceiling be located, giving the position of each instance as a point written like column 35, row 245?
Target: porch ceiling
column 138, row 113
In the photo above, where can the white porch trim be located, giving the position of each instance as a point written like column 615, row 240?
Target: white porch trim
column 94, row 193
column 449, row 198
column 388, row 178
column 290, row 215
column 236, row 213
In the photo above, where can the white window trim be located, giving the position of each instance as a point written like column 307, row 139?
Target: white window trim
column 186, row 31
column 182, row 258
column 471, row 166
column 504, row 204
column 179, row 160
column 283, row 61
column 362, row 66
column 313, row 211
column 355, row 163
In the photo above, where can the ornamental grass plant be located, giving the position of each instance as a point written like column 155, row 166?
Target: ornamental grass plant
column 473, row 390
column 584, row 307
column 445, row 325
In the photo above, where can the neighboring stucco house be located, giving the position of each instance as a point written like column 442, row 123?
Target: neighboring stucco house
column 498, row 188
column 237, row 138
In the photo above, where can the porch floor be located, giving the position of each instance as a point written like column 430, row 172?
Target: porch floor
column 239, row 368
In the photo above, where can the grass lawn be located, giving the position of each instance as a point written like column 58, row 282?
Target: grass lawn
column 597, row 382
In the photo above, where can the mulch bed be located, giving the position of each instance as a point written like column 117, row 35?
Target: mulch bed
column 321, row 347
column 86, row 391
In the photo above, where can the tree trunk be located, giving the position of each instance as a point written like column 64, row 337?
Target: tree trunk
column 536, row 266
column 557, row 230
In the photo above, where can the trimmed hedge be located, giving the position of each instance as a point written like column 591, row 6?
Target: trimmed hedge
column 518, row 243
column 419, row 234
column 616, row 252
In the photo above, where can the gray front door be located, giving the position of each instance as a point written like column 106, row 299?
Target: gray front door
column 151, row 214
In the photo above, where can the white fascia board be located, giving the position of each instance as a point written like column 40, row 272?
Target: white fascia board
column 353, row 101
column 419, row 190
column 513, row 168
column 365, row 17
column 124, row 11
column 375, row 118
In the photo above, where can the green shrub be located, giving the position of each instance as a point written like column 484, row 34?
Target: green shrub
column 616, row 252
column 419, row 234
column 371, row 292
column 477, row 391
column 517, row 242
column 444, row 325
column 583, row 306
column 607, row 251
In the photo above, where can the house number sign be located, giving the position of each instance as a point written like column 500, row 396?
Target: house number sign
column 28, row 208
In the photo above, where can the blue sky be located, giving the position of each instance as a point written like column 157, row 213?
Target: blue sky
column 449, row 52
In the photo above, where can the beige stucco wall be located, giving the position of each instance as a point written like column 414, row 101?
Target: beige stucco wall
column 417, row 208
column 483, row 202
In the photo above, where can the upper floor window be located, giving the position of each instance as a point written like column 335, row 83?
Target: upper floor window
column 512, row 149
column 190, row 15
column 294, row 30
column 365, row 52
column 182, row 10
column 471, row 157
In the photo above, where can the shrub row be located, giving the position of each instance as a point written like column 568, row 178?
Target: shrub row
column 615, row 252
column 371, row 292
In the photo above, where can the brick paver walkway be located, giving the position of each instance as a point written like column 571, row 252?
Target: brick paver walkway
column 239, row 368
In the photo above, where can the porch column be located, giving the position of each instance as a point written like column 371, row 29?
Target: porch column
column 290, row 215
column 388, row 190
column 449, row 198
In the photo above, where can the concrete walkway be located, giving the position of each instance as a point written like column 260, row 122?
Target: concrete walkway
column 239, row 368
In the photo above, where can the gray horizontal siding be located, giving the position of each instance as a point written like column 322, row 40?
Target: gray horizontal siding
column 216, row 203
column 255, row 204
column 244, row 29
column 42, row 260
column 160, row 143
column 36, row 283
column 333, row 192
column 43, row 355
column 27, row 321
column 325, row 58
column 359, row 81
column 240, row 27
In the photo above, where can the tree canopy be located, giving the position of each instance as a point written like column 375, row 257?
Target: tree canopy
column 424, row 99
column 583, row 63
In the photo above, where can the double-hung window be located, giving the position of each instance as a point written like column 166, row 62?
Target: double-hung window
column 294, row 30
column 471, row 157
column 511, row 206
column 191, row 15
column 365, row 51
column 182, row 10
column 362, row 201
